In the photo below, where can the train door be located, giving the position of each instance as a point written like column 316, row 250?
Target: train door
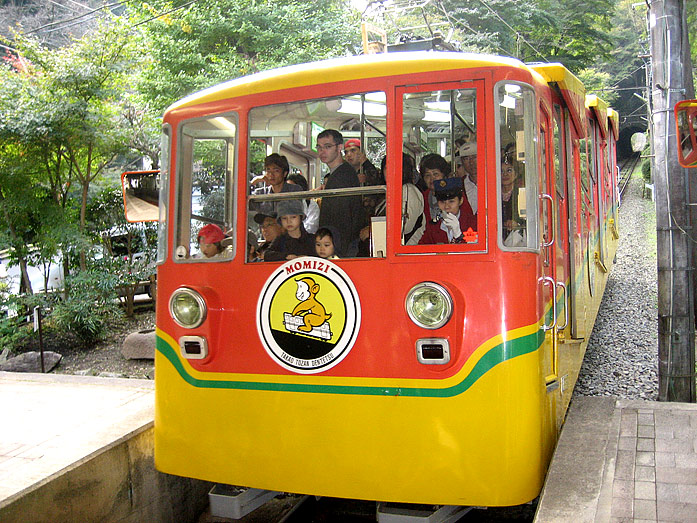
column 601, row 177
column 574, row 228
column 592, row 203
column 562, row 246
column 548, row 221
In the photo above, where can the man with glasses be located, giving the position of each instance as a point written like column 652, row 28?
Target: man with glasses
column 345, row 213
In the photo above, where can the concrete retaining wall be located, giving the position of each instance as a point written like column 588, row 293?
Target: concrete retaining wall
column 118, row 483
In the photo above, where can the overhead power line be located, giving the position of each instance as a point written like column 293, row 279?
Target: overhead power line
column 74, row 18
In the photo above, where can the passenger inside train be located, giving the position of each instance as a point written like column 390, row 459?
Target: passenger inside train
column 453, row 217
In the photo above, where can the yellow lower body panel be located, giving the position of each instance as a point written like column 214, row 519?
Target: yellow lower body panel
column 484, row 446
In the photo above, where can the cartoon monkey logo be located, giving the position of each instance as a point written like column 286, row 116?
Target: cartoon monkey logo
column 312, row 311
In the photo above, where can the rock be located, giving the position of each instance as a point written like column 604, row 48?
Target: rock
column 4, row 355
column 139, row 345
column 111, row 375
column 31, row 362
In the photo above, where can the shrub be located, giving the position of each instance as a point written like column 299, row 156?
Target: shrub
column 90, row 304
column 646, row 170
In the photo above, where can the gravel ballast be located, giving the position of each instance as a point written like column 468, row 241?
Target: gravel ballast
column 622, row 355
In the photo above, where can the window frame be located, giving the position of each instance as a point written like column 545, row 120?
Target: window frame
column 182, row 183
column 478, row 84
column 531, row 128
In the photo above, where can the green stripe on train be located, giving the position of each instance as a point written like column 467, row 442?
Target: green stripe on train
column 496, row 355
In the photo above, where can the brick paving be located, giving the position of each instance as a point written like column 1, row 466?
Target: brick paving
column 624, row 460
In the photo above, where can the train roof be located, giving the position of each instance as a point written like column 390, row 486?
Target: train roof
column 572, row 89
column 613, row 118
column 345, row 69
column 600, row 108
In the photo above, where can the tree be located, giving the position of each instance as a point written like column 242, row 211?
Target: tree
column 72, row 106
column 203, row 44
column 574, row 32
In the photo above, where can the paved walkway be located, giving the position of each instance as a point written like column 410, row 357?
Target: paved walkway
column 623, row 460
column 50, row 422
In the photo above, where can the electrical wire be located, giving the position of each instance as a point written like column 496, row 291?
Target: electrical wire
column 75, row 17
column 165, row 13
column 518, row 35
column 63, row 6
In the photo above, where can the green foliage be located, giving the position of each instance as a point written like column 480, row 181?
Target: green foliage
column 89, row 306
column 12, row 334
column 204, row 44
column 600, row 83
column 646, row 170
column 573, row 32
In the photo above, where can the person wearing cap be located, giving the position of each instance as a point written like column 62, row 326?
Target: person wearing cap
column 455, row 214
column 270, row 230
column 367, row 173
column 345, row 213
column 466, row 168
column 210, row 239
column 295, row 240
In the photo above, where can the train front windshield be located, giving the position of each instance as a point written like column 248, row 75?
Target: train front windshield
column 441, row 137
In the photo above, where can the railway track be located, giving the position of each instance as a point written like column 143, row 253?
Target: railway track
column 626, row 169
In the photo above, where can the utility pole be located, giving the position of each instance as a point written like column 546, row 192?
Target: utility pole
column 672, row 82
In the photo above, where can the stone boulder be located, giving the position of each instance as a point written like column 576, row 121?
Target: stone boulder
column 31, row 362
column 139, row 345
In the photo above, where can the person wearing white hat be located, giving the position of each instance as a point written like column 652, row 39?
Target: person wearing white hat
column 466, row 168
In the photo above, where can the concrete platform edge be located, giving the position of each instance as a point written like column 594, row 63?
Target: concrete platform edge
column 583, row 446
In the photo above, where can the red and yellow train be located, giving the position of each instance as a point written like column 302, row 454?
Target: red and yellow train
column 443, row 372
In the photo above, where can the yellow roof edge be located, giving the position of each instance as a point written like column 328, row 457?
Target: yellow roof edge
column 341, row 69
column 558, row 73
column 593, row 100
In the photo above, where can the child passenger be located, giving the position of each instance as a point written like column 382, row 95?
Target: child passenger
column 210, row 239
column 295, row 240
column 454, row 216
column 325, row 238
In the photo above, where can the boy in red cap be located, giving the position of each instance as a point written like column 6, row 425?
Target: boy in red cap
column 367, row 173
column 210, row 239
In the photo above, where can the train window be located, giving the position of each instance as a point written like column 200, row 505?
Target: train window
column 206, row 161
column 164, row 195
column 322, row 158
column 585, row 159
column 517, row 167
column 440, row 131
column 559, row 154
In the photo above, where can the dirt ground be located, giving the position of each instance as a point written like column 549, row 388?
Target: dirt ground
column 104, row 358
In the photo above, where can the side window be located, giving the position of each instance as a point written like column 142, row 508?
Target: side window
column 517, row 174
column 439, row 167
column 587, row 165
column 315, row 177
column 205, row 199
column 164, row 195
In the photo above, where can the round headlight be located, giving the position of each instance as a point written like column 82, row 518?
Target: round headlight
column 429, row 305
column 187, row 308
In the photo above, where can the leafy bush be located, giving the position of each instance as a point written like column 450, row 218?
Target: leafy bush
column 15, row 310
column 90, row 304
column 11, row 333
column 646, row 170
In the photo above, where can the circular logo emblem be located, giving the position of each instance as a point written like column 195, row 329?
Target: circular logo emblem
column 308, row 315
